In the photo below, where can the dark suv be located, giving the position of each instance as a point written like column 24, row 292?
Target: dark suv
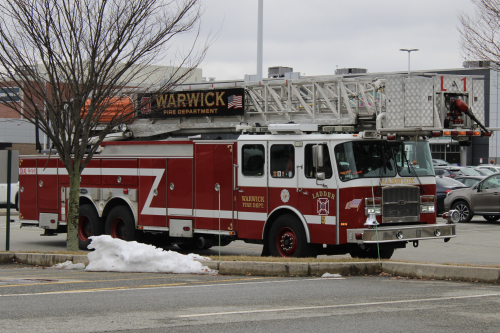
column 454, row 171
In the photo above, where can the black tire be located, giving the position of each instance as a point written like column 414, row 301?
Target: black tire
column 287, row 238
column 372, row 253
column 17, row 202
column 491, row 218
column 120, row 224
column 89, row 224
column 464, row 209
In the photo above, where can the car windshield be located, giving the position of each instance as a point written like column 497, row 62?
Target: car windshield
column 469, row 172
column 484, row 172
column 418, row 155
column 448, row 182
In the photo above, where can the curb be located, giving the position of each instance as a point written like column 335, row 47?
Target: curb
column 255, row 268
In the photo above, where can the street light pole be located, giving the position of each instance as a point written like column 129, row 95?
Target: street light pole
column 409, row 51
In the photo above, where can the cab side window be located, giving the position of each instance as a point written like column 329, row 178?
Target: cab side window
column 282, row 161
column 253, row 160
column 310, row 170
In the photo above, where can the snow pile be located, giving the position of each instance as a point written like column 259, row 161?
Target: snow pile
column 328, row 275
column 116, row 255
column 69, row 265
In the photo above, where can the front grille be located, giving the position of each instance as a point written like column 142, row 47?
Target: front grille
column 400, row 204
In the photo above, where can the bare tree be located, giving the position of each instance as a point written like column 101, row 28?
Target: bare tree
column 480, row 33
column 72, row 59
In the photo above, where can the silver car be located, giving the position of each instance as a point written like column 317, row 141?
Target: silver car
column 481, row 199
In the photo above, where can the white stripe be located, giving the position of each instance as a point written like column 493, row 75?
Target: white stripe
column 47, row 171
column 374, row 304
column 147, row 210
column 180, row 211
column 252, row 216
column 316, row 219
column 121, row 171
column 224, row 214
column 89, row 171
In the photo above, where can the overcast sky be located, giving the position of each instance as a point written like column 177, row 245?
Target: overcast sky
column 317, row 36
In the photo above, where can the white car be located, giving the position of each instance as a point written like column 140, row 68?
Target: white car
column 14, row 195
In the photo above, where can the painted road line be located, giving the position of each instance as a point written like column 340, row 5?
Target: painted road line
column 409, row 301
column 155, row 286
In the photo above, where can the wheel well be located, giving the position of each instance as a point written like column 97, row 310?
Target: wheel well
column 277, row 213
column 86, row 201
column 112, row 204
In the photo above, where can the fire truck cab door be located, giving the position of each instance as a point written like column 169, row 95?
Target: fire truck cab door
column 252, row 193
column 316, row 198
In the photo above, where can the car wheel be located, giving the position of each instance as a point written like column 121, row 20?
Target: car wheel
column 491, row 218
column 464, row 211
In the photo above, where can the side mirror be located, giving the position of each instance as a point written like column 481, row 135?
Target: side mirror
column 317, row 152
column 320, row 176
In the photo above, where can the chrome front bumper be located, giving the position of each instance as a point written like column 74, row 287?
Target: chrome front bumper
column 401, row 233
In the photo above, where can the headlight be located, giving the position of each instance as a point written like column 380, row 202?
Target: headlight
column 427, row 209
column 373, row 210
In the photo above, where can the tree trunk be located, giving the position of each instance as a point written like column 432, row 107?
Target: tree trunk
column 73, row 211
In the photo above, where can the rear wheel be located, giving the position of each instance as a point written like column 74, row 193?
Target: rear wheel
column 89, row 224
column 120, row 224
column 287, row 238
column 464, row 211
column 491, row 218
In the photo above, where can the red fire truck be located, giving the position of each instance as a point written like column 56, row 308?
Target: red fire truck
column 322, row 165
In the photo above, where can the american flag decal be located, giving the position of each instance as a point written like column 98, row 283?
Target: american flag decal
column 235, row 101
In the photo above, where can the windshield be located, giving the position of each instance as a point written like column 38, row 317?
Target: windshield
column 416, row 154
column 448, row 182
column 364, row 159
column 470, row 172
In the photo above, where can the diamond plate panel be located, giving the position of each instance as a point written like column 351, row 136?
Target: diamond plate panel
column 478, row 99
column 419, row 102
column 395, row 101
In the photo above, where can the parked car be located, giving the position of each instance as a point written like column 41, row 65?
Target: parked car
column 437, row 162
column 481, row 199
column 454, row 171
column 491, row 167
column 443, row 186
column 14, row 195
column 469, row 181
column 483, row 171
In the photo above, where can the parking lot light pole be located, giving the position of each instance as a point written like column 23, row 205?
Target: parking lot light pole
column 409, row 51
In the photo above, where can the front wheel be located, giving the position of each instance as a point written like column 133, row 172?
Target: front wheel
column 120, row 224
column 89, row 224
column 287, row 238
column 463, row 209
column 491, row 218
